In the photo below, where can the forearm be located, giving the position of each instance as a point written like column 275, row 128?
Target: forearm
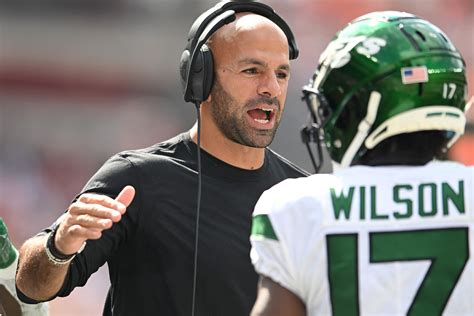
column 37, row 277
column 275, row 300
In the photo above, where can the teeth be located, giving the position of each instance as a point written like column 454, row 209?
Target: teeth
column 266, row 110
column 261, row 121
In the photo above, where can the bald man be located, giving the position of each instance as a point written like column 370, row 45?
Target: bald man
column 138, row 212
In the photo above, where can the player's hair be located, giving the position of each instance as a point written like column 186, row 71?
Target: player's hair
column 409, row 149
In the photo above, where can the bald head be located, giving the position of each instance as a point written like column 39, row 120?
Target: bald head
column 251, row 43
column 247, row 29
column 247, row 22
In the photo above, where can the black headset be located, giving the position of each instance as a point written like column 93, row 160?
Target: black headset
column 196, row 65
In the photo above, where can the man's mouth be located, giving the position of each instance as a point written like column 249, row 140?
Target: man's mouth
column 262, row 115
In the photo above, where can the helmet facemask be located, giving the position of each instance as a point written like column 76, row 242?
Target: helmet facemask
column 319, row 113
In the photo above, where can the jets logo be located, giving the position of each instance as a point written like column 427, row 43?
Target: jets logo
column 337, row 54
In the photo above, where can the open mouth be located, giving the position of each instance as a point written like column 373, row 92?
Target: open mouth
column 262, row 115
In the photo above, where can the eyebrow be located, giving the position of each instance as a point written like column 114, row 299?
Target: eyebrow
column 254, row 61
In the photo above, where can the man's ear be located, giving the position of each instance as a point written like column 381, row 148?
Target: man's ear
column 209, row 98
column 206, row 103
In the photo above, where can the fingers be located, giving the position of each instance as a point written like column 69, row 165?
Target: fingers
column 102, row 200
column 89, row 221
column 97, row 210
column 89, row 216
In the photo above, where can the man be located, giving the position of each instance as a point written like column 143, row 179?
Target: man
column 138, row 212
column 393, row 233
column 9, row 303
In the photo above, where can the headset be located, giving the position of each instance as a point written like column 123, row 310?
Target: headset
column 196, row 69
column 196, row 64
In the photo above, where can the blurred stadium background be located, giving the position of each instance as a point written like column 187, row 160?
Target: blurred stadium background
column 83, row 79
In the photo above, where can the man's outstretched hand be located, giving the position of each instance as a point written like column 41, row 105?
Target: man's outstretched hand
column 89, row 216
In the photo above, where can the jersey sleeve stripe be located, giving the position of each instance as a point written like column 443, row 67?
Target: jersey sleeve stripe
column 261, row 226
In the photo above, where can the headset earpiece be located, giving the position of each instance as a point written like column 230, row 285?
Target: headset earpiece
column 206, row 72
column 201, row 71
column 183, row 66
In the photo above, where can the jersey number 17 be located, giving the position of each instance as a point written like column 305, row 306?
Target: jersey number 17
column 447, row 249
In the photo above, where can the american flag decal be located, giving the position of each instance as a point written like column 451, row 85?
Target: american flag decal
column 414, row 74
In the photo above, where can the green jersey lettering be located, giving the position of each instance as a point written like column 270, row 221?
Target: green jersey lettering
column 457, row 199
column 362, row 202
column 422, row 203
column 408, row 202
column 342, row 203
column 373, row 205
column 404, row 195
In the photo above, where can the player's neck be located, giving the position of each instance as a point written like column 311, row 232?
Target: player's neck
column 235, row 154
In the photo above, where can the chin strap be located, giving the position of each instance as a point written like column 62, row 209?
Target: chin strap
column 319, row 112
column 363, row 130
column 310, row 134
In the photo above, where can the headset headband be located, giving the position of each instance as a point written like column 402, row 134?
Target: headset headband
column 255, row 7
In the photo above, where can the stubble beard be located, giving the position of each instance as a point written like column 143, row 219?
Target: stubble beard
column 230, row 119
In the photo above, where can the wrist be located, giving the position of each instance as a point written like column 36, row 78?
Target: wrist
column 54, row 255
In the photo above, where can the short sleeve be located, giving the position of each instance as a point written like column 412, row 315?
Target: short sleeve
column 270, row 253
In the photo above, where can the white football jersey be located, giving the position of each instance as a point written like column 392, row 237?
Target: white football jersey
column 372, row 240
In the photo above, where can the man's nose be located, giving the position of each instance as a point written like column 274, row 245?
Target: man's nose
column 269, row 85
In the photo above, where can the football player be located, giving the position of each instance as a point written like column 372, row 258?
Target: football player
column 391, row 231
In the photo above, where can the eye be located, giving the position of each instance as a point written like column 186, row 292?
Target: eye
column 250, row 71
column 282, row 75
